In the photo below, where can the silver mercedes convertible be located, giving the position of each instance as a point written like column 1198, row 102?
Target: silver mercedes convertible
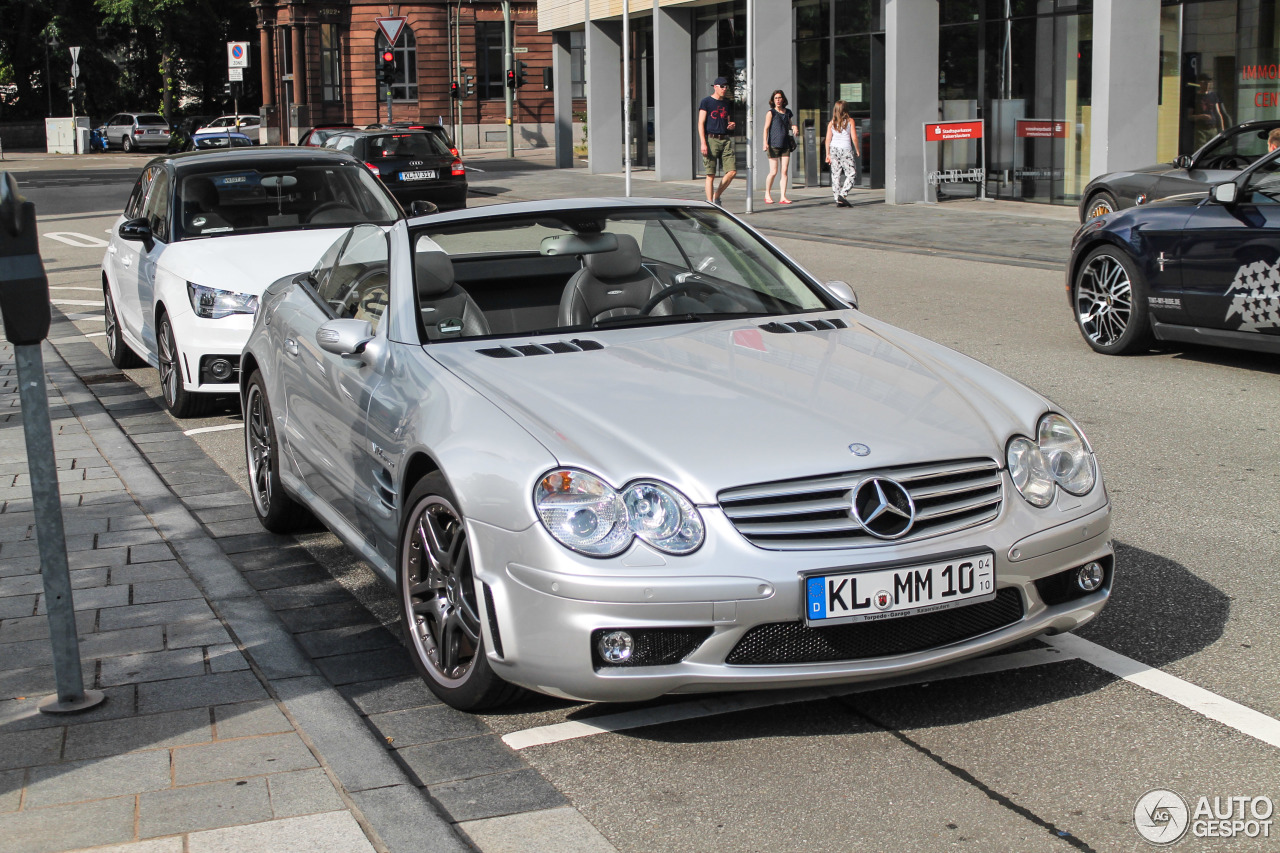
column 610, row 449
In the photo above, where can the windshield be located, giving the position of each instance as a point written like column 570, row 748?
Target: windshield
column 1235, row 150
column 420, row 144
column 153, row 121
column 594, row 269
column 251, row 200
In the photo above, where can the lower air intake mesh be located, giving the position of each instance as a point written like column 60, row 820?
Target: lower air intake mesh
column 794, row 642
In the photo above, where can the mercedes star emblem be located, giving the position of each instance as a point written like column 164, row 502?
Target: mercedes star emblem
column 859, row 450
column 883, row 507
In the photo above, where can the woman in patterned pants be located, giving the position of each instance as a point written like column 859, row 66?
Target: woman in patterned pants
column 842, row 153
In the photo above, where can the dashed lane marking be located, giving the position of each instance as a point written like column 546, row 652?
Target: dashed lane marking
column 1243, row 719
column 222, row 428
column 74, row 238
column 75, row 302
column 717, row 705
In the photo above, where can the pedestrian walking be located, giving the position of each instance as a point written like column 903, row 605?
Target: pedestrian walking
column 842, row 153
column 779, row 141
column 715, row 120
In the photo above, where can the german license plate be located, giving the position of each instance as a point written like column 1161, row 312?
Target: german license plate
column 876, row 594
column 428, row 175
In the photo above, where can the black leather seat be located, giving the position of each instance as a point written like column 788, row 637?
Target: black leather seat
column 610, row 284
column 199, row 207
column 447, row 310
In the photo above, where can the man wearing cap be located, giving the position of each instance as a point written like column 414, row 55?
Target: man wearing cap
column 714, row 125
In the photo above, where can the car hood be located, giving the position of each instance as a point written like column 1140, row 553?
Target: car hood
column 1181, row 200
column 711, row 406
column 249, row 262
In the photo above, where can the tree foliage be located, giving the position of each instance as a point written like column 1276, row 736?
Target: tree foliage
column 132, row 53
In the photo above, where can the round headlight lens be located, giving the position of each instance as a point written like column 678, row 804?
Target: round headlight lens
column 588, row 515
column 1030, row 472
column 663, row 517
column 582, row 512
column 1066, row 454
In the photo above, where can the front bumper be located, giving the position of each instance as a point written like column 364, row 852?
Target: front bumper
column 545, row 602
column 199, row 340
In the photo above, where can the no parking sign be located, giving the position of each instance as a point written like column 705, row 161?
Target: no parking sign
column 237, row 54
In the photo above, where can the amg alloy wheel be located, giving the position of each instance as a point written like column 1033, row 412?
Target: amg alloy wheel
column 180, row 402
column 1110, row 302
column 439, row 602
column 121, row 355
column 276, row 509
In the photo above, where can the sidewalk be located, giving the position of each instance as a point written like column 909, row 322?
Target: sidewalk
column 218, row 732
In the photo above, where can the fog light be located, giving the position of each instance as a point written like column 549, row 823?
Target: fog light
column 615, row 647
column 220, row 369
column 1090, row 577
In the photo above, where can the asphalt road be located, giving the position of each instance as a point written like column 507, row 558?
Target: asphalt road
column 1042, row 751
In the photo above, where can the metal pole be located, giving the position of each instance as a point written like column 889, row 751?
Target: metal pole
column 508, row 65
column 71, row 695
column 750, row 105
column 626, row 94
column 462, row 78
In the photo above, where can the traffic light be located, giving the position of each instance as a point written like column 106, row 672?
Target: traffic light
column 455, row 91
column 387, row 68
column 521, row 67
column 511, row 79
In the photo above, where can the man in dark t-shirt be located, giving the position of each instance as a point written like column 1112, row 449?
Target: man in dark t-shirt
column 715, row 121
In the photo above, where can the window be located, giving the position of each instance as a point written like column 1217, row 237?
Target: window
column 157, row 209
column 357, row 285
column 405, row 87
column 133, row 209
column 330, row 63
column 578, row 63
column 490, row 73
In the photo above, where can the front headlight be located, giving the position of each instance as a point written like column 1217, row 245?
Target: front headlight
column 1060, row 457
column 588, row 515
column 213, row 304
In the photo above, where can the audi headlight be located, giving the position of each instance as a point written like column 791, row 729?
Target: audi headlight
column 588, row 515
column 213, row 304
column 1060, row 457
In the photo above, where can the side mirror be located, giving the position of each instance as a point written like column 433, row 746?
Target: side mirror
column 136, row 229
column 842, row 291
column 1183, row 161
column 422, row 208
column 1225, row 194
column 345, row 336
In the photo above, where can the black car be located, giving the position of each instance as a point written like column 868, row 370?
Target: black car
column 1196, row 268
column 416, row 164
column 1219, row 159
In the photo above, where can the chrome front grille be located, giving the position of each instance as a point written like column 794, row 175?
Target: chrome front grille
column 814, row 513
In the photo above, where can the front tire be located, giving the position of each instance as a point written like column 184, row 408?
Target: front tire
column 276, row 509
column 1109, row 296
column 1100, row 204
column 121, row 355
column 180, row 402
column 439, row 603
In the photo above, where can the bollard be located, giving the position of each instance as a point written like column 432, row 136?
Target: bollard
column 24, row 304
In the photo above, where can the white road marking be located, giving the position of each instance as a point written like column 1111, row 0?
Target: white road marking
column 1243, row 719
column 74, row 238
column 222, row 428
column 69, row 287
column 74, row 302
column 716, row 705
column 95, row 334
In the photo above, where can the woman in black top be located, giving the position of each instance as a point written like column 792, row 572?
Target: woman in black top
column 779, row 141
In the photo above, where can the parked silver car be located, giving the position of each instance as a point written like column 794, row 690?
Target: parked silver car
column 612, row 449
column 131, row 131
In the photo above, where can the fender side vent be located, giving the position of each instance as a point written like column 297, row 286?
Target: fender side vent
column 553, row 348
column 804, row 326
column 493, row 620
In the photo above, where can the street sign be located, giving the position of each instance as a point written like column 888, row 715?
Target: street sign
column 235, row 75
column 519, row 50
column 75, row 54
column 237, row 54
column 75, row 70
column 947, row 131
column 391, row 28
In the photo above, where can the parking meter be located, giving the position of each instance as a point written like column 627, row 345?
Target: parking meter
column 24, row 287
column 24, row 305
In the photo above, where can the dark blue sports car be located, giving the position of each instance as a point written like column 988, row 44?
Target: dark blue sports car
column 1199, row 268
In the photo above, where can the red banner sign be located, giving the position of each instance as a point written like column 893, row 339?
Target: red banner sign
column 952, row 130
column 1041, row 128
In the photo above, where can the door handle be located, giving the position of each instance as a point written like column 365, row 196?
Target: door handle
column 111, row 249
column 290, row 346
column 126, row 261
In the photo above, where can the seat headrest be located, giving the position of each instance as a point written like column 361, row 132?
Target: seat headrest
column 621, row 262
column 433, row 272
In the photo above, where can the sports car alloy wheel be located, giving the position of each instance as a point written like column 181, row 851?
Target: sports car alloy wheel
column 276, row 509
column 1110, row 303
column 439, row 604
column 117, row 349
column 1100, row 205
column 179, row 402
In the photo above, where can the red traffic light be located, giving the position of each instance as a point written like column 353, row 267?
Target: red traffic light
column 511, row 79
column 388, row 56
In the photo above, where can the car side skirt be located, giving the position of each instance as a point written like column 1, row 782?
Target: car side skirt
column 350, row 537
column 1216, row 337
